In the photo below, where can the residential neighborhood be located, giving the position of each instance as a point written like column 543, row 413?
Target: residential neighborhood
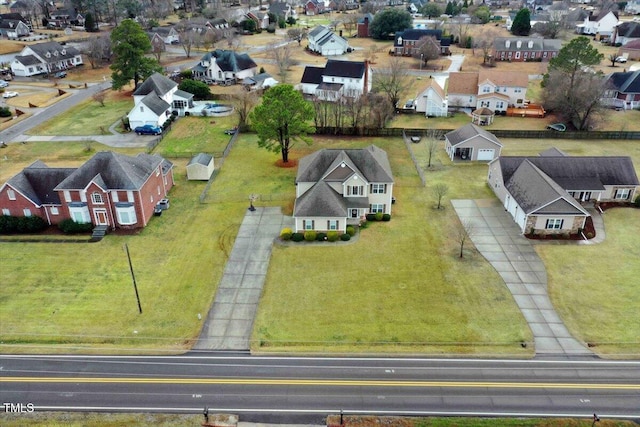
column 329, row 179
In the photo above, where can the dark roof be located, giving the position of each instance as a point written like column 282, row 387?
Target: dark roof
column 539, row 44
column 416, row 34
column 115, row 171
column 330, row 86
column 349, row 69
column 629, row 29
column 279, row 9
column 56, row 50
column 27, row 60
column 13, row 16
column 156, row 83
column 229, row 60
column 552, row 152
column 155, row 103
column 37, row 182
column 312, row 75
column 201, row 159
column 11, row 23
column 162, row 31
column 321, row 201
column 608, row 170
column 625, row 82
column 372, row 163
column 468, row 131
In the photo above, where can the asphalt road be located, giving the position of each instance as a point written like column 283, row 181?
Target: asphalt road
column 273, row 389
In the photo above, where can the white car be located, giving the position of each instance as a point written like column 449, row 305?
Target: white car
column 3, row 83
column 621, row 59
column 9, row 94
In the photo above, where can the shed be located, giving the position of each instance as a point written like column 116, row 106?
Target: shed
column 472, row 143
column 200, row 167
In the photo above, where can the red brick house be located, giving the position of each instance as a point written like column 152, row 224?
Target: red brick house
column 314, row 7
column 110, row 189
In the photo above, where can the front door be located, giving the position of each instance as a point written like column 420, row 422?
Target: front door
column 100, row 216
column 585, row 196
column 354, row 213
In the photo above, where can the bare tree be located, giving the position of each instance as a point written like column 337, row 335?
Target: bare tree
column 233, row 41
column 98, row 50
column 189, row 36
column 296, row 34
column 484, row 41
column 460, row 29
column 432, row 144
column 99, row 97
column 283, row 58
column 463, row 232
column 371, row 54
column 350, row 22
column 243, row 101
column 427, row 49
column 380, row 109
column 158, row 48
column 392, row 81
column 439, row 191
column 612, row 57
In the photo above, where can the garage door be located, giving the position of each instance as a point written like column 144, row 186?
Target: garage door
column 485, row 154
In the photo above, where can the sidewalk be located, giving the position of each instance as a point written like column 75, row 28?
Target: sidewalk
column 230, row 320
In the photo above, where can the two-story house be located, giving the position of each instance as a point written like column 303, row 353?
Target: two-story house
column 225, row 65
column 496, row 90
column 626, row 32
column 44, row 58
column 110, row 189
column 406, row 43
column 314, row 7
column 156, row 99
column 336, row 80
column 335, row 188
column 522, row 49
column 169, row 35
column 601, row 25
column 623, row 90
column 327, row 43
column 13, row 26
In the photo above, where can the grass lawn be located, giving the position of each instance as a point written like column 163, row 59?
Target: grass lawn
column 190, row 135
column 88, row 117
column 374, row 296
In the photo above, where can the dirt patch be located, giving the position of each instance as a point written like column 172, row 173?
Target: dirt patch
column 292, row 163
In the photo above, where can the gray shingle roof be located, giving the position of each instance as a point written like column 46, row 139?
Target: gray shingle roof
column 27, row 60
column 553, row 152
column 625, row 82
column 155, row 103
column 201, row 158
column 229, row 60
column 156, row 83
column 321, row 201
column 114, row 171
column 37, row 182
column 372, row 162
column 63, row 52
column 468, row 131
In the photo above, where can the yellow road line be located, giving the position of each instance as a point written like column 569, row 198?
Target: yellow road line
column 319, row 382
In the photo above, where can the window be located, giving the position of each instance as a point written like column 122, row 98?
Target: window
column 332, row 224
column 96, row 198
column 126, row 215
column 622, row 193
column 554, row 224
column 376, row 207
column 499, row 105
column 67, row 196
column 130, row 196
column 355, row 190
column 518, row 90
column 307, row 224
column 517, row 55
column 6, row 212
column 54, row 210
column 26, row 212
column 141, row 109
column 526, row 54
column 11, row 194
column 486, row 89
column 158, row 190
column 114, row 196
column 378, row 188
column 79, row 214
column 544, row 54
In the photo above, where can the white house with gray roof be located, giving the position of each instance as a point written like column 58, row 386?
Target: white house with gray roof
column 327, row 43
column 223, row 65
column 156, row 99
column 472, row 143
column 336, row 188
column 548, row 194
column 43, row 58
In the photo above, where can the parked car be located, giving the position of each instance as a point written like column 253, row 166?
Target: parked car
column 3, row 83
column 10, row 94
column 148, row 130
column 621, row 59
column 60, row 75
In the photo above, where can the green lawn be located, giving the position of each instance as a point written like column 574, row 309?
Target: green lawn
column 193, row 134
column 86, row 118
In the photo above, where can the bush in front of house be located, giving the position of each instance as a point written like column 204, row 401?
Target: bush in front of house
column 69, row 226
column 637, row 202
column 386, row 217
column 310, row 235
column 321, row 237
column 345, row 237
column 333, row 236
column 351, row 230
column 271, row 28
column 5, row 112
column 379, row 216
column 371, row 217
column 297, row 237
column 286, row 233
column 21, row 224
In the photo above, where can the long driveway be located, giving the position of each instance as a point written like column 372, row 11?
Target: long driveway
column 497, row 237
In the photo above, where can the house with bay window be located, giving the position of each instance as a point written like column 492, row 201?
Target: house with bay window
column 495, row 90
column 110, row 189
column 550, row 193
column 336, row 188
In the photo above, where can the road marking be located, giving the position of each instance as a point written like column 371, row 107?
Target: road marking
column 319, row 382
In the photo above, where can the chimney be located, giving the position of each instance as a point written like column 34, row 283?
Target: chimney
column 365, row 89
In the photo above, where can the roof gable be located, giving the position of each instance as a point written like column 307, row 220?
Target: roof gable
column 372, row 164
column 37, row 182
column 320, row 201
column 469, row 131
column 156, row 83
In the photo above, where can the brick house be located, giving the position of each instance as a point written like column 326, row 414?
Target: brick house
column 406, row 43
column 110, row 189
column 522, row 49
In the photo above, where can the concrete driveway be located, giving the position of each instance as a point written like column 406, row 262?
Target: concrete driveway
column 497, row 237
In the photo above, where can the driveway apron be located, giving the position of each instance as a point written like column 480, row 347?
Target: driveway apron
column 230, row 320
column 497, row 237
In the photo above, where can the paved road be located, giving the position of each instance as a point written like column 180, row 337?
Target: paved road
column 497, row 237
column 272, row 389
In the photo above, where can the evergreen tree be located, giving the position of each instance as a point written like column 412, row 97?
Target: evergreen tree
column 521, row 23
column 130, row 44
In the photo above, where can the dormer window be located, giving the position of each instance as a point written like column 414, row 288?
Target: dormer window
column 63, row 52
column 55, row 53
column 48, row 54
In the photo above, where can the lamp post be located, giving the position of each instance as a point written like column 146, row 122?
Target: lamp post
column 421, row 60
column 252, row 198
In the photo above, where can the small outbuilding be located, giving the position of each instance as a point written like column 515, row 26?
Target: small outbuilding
column 472, row 143
column 200, row 167
column 482, row 116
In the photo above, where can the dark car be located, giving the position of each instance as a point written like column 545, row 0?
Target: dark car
column 148, row 130
column 60, row 75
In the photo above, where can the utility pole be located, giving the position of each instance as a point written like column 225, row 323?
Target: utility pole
column 133, row 277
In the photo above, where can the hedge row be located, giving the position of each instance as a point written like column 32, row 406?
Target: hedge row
column 21, row 224
column 378, row 216
column 69, row 226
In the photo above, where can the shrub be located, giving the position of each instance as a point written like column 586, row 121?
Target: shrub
column 271, row 28
column 286, row 233
column 321, row 237
column 345, row 237
column 371, row 217
column 386, row 217
column 637, row 202
column 297, row 237
column 21, row 224
column 364, row 224
column 351, row 230
column 379, row 216
column 5, row 112
column 69, row 226
column 332, row 236
column 310, row 235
